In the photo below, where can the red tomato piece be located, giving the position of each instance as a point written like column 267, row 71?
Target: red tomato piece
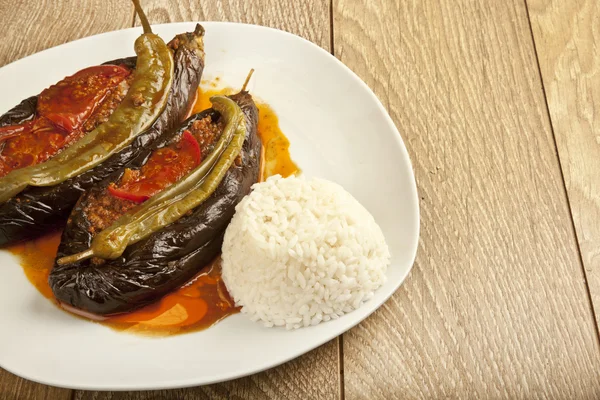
column 70, row 102
column 192, row 144
column 37, row 141
column 62, row 109
column 164, row 167
column 124, row 194
column 10, row 131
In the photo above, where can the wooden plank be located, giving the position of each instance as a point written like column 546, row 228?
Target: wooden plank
column 316, row 374
column 306, row 18
column 565, row 38
column 13, row 387
column 496, row 305
column 30, row 26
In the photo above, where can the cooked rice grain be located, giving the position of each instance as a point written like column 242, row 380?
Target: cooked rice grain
column 301, row 251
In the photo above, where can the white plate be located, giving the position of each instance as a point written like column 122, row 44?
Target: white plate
column 339, row 131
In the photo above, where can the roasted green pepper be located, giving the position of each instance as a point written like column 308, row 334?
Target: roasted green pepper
column 144, row 102
column 171, row 204
column 164, row 261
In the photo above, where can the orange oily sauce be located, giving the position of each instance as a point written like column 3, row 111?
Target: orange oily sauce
column 204, row 300
column 37, row 258
column 276, row 157
column 195, row 306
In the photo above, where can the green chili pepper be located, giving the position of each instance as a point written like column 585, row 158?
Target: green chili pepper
column 143, row 104
column 171, row 204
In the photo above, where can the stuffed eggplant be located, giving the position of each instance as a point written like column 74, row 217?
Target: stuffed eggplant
column 41, row 126
column 156, row 243
column 36, row 209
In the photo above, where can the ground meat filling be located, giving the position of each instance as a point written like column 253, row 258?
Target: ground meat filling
column 103, row 208
column 206, row 131
column 109, row 105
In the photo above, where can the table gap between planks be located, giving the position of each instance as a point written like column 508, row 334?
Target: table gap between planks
column 497, row 303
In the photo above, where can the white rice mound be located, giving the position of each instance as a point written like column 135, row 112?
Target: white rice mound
column 301, row 251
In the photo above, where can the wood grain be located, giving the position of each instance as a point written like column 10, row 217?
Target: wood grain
column 306, row 18
column 14, row 388
column 316, row 374
column 496, row 305
column 30, row 26
column 566, row 36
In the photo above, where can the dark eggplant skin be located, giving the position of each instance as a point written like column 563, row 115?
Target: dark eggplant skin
column 21, row 113
column 167, row 259
column 38, row 210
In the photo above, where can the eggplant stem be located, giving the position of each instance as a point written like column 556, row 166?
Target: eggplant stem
column 84, row 255
column 143, row 19
column 199, row 30
column 247, row 79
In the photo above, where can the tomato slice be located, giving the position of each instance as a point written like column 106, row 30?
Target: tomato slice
column 193, row 147
column 35, row 142
column 62, row 109
column 10, row 131
column 124, row 194
column 164, row 167
column 70, row 102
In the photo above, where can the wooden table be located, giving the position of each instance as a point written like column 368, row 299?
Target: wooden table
column 498, row 103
